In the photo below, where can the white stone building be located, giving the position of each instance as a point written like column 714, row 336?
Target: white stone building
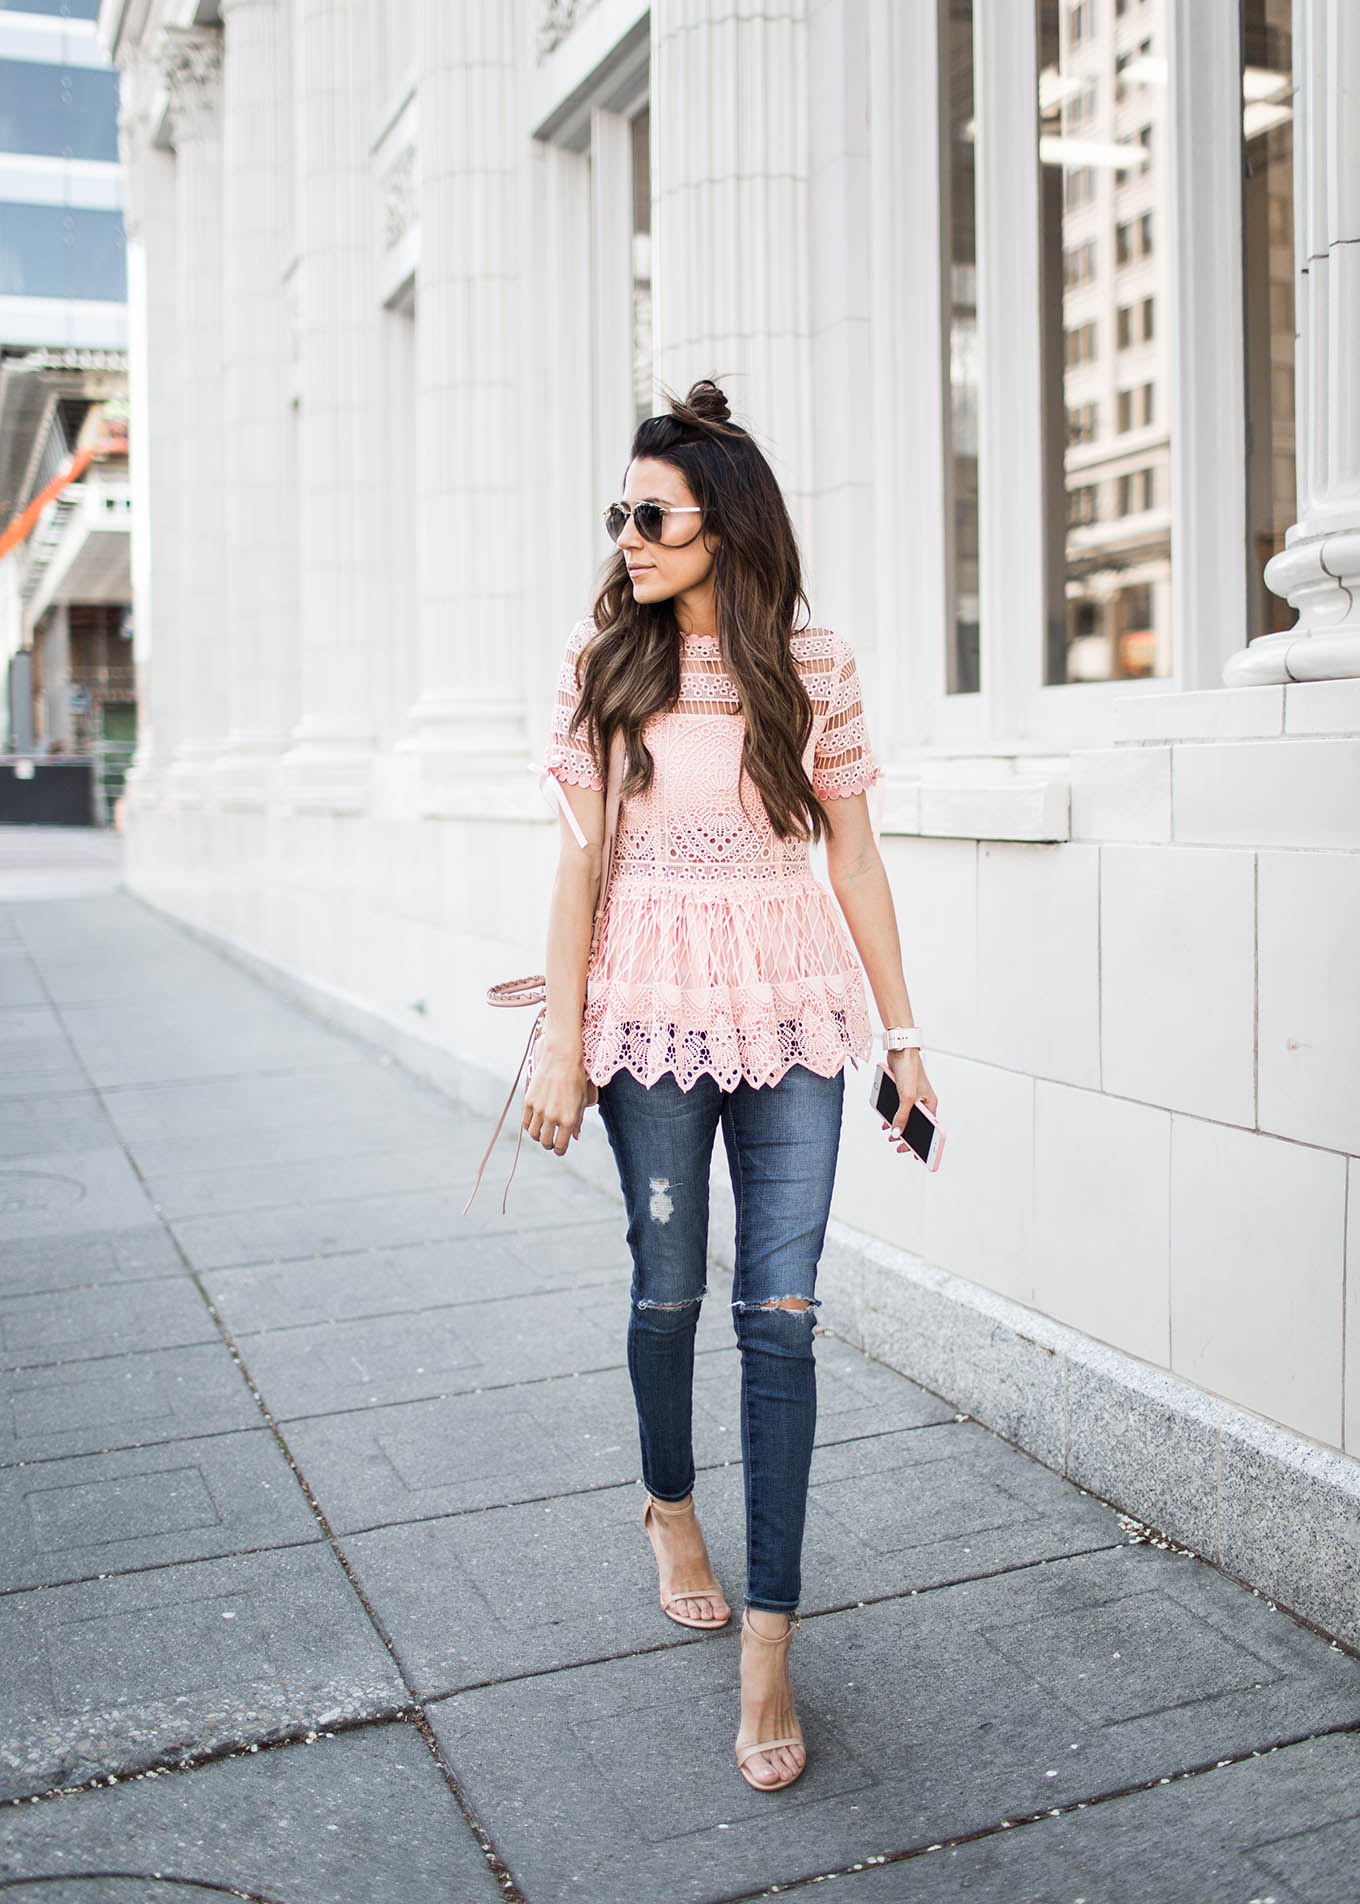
column 1009, row 289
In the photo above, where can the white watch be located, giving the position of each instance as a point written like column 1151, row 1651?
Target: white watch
column 902, row 1038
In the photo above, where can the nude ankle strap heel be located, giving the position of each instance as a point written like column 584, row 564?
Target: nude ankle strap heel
column 674, row 1510
column 745, row 1752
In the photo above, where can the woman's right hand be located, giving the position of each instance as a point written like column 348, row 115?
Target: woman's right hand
column 555, row 1097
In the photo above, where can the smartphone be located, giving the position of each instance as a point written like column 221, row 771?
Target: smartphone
column 922, row 1134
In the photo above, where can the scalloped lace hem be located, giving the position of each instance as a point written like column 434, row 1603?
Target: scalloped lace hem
column 823, row 1030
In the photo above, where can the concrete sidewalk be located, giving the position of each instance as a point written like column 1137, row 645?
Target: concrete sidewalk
column 323, row 1581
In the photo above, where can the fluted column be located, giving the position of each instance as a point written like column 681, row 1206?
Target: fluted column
column 261, row 553
column 469, row 717
column 730, row 147
column 191, row 59
column 1318, row 570
column 329, row 764
column 154, row 452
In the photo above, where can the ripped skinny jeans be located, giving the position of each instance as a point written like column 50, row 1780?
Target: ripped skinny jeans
column 781, row 1143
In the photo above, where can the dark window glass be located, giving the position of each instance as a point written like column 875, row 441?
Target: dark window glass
column 958, row 224
column 1268, row 284
column 1099, row 544
column 68, row 112
column 66, row 9
column 60, row 251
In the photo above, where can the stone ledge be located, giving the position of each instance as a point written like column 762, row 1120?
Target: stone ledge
column 1012, row 808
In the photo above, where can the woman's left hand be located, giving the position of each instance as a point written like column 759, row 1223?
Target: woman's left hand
column 909, row 1075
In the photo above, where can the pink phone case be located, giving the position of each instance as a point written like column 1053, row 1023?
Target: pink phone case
column 937, row 1142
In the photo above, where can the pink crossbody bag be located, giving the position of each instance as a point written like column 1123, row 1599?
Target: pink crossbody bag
column 534, row 989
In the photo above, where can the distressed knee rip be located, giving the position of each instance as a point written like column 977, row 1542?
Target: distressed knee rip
column 692, row 1302
column 792, row 1305
column 661, row 1206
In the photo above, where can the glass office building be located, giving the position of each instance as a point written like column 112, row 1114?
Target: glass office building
column 63, row 271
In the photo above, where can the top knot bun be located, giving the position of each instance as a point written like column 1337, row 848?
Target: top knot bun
column 704, row 403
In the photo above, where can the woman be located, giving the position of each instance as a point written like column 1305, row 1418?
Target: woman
column 721, row 990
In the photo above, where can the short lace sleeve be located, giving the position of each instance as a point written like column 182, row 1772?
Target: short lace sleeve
column 569, row 756
column 844, row 762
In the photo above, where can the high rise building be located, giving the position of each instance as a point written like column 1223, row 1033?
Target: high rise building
column 65, row 590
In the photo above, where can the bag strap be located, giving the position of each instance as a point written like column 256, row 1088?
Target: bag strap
column 530, row 991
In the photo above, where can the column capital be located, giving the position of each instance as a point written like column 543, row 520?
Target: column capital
column 190, row 59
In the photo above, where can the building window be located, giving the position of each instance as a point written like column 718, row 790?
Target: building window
column 1079, row 264
column 1079, row 345
column 958, row 222
column 1268, row 297
column 1108, row 570
column 1081, row 505
column 61, row 112
column 64, row 9
column 62, row 251
column 1079, row 188
column 1133, row 239
column 642, row 263
column 1081, row 107
column 1079, row 22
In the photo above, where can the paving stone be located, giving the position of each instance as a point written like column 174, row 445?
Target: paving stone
column 181, row 1039
column 19, row 982
column 31, row 1036
column 114, row 1675
column 58, row 1072
column 418, row 1276
column 387, row 1171
column 47, row 1195
column 65, row 1324
column 927, row 1717
column 1279, row 1829
column 122, row 1401
column 45, row 1126
column 373, row 1361
column 365, row 1088
column 327, row 1229
column 473, row 1597
column 71, row 1517
column 353, row 1818
column 79, row 1258
column 310, row 1136
column 483, row 1448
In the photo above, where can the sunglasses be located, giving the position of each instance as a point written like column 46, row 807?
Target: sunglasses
column 649, row 518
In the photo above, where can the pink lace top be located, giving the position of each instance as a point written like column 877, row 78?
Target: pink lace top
column 718, row 951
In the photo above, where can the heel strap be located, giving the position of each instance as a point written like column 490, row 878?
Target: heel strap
column 794, row 1623
column 669, row 1509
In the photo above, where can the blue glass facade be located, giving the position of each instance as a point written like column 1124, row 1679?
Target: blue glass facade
column 62, row 251
column 61, row 112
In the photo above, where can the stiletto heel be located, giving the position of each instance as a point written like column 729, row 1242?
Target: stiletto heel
column 672, row 1510
column 745, row 1752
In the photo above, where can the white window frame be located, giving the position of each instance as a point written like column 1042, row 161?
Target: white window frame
column 1014, row 712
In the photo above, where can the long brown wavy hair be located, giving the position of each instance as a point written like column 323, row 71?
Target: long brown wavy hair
column 630, row 668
